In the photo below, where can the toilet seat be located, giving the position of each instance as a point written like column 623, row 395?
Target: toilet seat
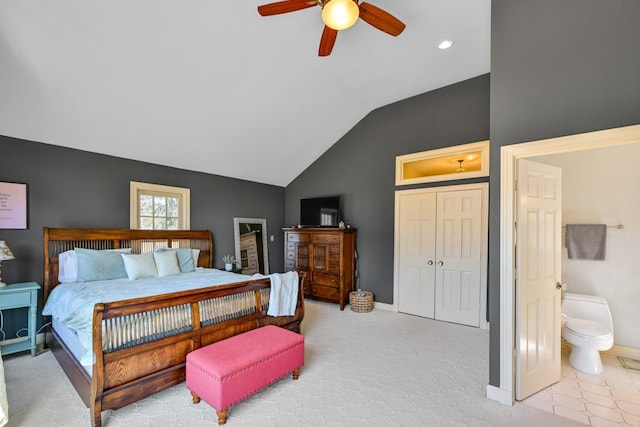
column 588, row 334
column 587, row 329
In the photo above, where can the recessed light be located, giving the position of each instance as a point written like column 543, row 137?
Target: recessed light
column 445, row 44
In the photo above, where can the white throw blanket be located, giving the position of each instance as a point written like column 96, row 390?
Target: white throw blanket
column 284, row 294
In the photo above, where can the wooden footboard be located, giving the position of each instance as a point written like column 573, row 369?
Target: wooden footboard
column 140, row 345
column 129, row 366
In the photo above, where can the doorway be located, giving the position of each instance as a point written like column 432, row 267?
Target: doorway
column 505, row 393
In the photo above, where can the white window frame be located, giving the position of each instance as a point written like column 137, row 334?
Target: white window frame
column 482, row 146
column 184, row 194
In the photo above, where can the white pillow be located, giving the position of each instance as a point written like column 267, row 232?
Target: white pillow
column 167, row 263
column 195, row 253
column 140, row 266
column 68, row 264
column 67, row 267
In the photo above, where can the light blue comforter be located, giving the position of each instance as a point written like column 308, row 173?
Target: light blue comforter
column 72, row 303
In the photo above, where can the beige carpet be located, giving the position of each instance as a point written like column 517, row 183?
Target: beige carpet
column 361, row 369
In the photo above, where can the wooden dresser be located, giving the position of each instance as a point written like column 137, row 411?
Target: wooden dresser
column 326, row 255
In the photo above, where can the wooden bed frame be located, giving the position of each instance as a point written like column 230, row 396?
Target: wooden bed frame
column 123, row 374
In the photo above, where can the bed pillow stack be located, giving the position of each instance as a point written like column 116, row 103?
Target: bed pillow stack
column 88, row 265
column 162, row 262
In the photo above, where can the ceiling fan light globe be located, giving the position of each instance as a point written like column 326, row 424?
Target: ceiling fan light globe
column 340, row 14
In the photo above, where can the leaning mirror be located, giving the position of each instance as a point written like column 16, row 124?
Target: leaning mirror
column 250, row 235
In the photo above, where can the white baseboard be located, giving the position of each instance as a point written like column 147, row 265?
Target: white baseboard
column 500, row 395
column 616, row 350
column 384, row 306
column 39, row 339
column 620, row 350
column 13, row 340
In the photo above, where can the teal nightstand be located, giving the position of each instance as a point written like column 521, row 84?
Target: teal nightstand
column 20, row 295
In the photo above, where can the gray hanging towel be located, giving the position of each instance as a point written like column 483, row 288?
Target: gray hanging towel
column 586, row 241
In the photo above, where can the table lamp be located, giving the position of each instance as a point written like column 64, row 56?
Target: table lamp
column 5, row 255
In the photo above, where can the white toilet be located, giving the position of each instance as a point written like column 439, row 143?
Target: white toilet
column 588, row 326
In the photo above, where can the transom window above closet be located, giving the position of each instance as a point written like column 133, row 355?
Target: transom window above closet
column 444, row 164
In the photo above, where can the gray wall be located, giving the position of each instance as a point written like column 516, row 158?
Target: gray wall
column 361, row 167
column 557, row 68
column 73, row 188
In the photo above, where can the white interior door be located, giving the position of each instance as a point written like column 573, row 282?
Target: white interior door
column 416, row 259
column 458, row 256
column 538, row 274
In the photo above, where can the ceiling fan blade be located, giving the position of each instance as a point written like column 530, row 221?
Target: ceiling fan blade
column 327, row 41
column 380, row 19
column 285, row 7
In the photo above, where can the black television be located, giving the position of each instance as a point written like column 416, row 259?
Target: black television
column 320, row 212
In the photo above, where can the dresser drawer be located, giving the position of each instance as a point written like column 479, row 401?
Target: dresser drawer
column 325, row 279
column 324, row 292
column 290, row 252
column 18, row 299
column 325, row 238
column 298, row 237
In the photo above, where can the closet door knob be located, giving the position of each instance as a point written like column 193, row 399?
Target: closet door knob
column 440, row 263
column 429, row 262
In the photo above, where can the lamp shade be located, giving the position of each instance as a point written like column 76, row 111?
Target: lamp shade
column 5, row 252
column 340, row 14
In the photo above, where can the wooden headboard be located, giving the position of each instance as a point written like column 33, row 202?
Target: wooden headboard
column 58, row 240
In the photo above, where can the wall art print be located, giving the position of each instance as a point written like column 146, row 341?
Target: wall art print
column 13, row 206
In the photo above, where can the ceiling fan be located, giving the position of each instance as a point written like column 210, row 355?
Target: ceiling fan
column 338, row 15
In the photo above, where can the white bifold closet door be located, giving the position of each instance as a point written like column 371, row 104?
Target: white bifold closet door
column 440, row 255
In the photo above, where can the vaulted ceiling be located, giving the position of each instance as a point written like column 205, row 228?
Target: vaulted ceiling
column 211, row 86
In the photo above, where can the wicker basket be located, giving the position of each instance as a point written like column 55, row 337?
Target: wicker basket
column 361, row 301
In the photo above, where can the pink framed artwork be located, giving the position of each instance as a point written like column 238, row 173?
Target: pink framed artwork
column 13, row 205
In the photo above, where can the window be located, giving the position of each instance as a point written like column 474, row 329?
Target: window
column 458, row 162
column 159, row 207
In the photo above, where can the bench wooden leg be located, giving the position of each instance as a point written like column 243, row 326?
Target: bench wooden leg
column 222, row 416
column 296, row 374
column 196, row 398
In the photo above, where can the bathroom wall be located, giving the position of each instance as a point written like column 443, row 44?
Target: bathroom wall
column 600, row 187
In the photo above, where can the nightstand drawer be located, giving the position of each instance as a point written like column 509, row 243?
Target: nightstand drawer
column 19, row 299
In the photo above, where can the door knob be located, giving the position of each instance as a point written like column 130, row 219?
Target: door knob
column 558, row 285
column 430, row 262
column 440, row 263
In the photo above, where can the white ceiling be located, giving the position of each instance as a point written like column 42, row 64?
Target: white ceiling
column 210, row 85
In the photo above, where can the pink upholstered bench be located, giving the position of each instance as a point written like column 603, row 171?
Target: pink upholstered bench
column 225, row 372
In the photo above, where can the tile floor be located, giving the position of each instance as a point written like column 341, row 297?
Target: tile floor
column 610, row 399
